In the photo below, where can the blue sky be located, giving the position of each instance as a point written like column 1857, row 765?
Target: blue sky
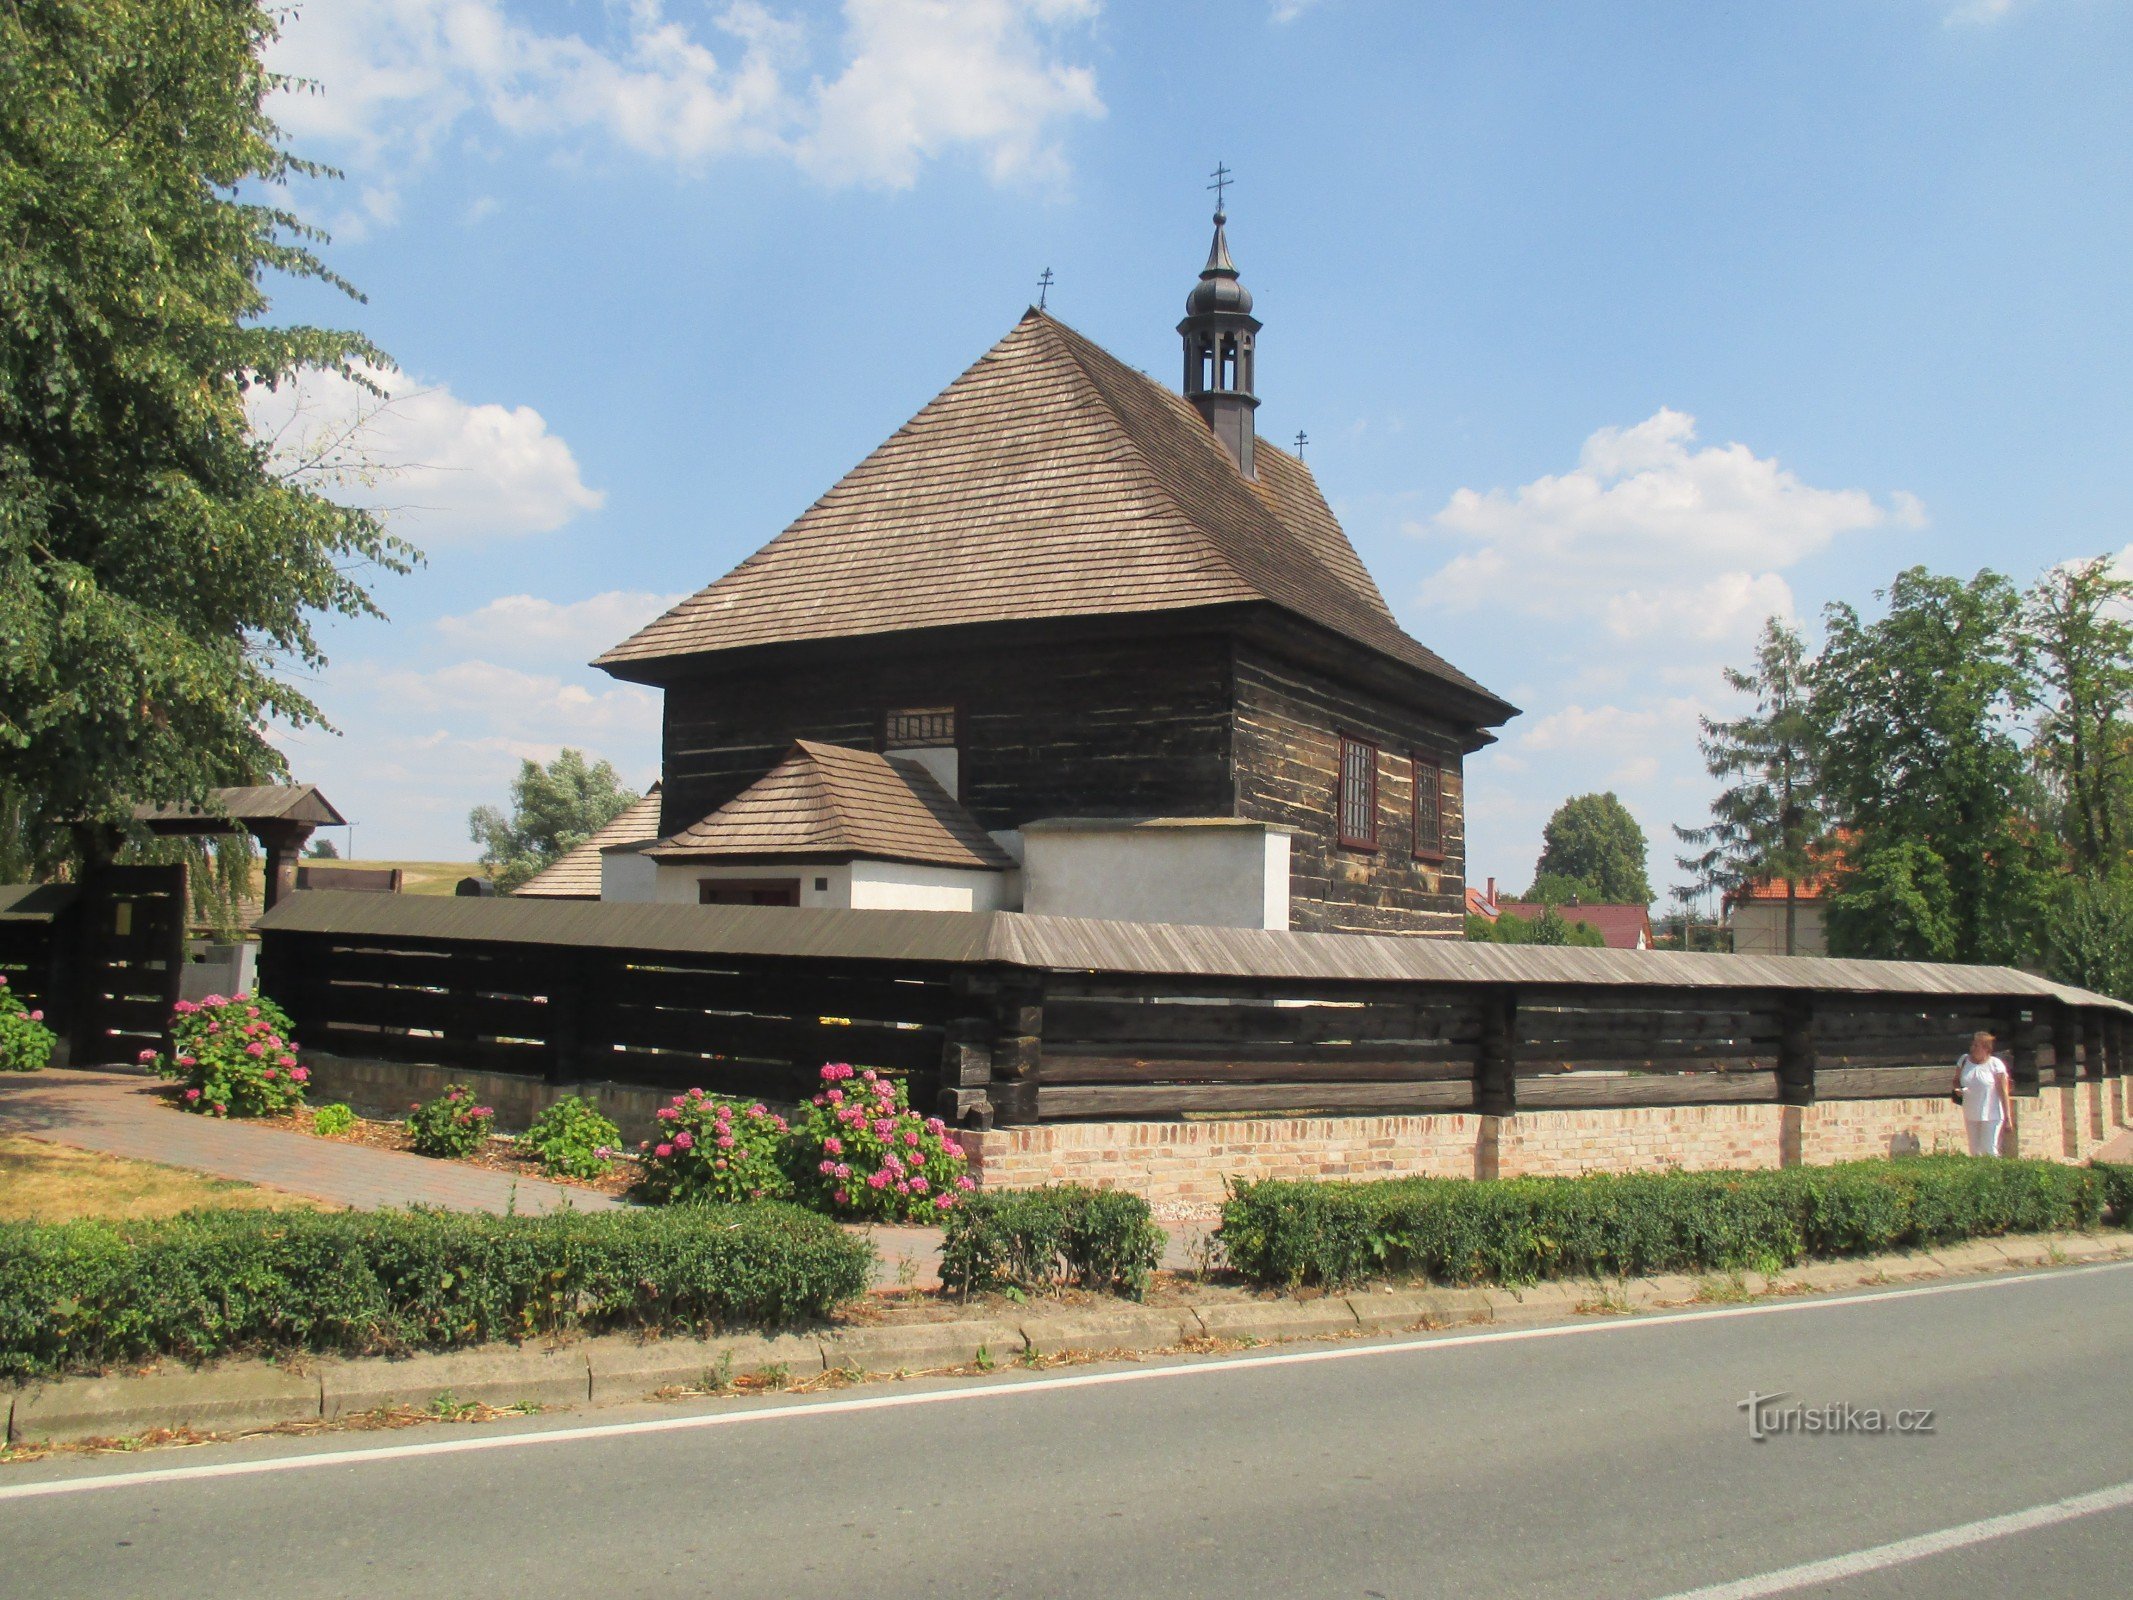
column 1614, row 327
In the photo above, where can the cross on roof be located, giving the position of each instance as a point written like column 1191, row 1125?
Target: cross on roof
column 1044, row 286
column 1302, row 439
column 1222, row 181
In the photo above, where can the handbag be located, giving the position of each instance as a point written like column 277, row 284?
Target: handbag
column 1955, row 1095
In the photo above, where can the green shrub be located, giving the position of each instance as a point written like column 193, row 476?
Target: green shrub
column 450, row 1127
column 859, row 1150
column 572, row 1138
column 235, row 1056
column 2117, row 1190
column 26, row 1044
column 1036, row 1240
column 330, row 1122
column 1521, row 1230
column 83, row 1296
column 716, row 1149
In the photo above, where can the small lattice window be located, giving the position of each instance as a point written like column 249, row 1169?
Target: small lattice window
column 1359, row 794
column 1429, row 807
column 920, row 728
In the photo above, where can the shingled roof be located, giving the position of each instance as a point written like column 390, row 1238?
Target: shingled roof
column 1049, row 480
column 825, row 800
column 576, row 876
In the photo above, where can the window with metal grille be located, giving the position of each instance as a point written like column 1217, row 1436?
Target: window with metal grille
column 1359, row 794
column 920, row 728
column 1429, row 808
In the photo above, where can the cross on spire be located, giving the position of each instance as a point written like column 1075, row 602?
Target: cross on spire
column 1223, row 180
column 1302, row 439
column 1044, row 287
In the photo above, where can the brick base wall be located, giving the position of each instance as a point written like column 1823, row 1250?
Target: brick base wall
column 1565, row 1143
column 1859, row 1130
column 1188, row 1162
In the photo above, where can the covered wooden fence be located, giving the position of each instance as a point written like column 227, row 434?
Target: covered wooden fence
column 102, row 958
column 1003, row 1019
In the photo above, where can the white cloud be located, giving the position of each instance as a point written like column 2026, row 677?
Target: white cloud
column 1653, row 531
column 1608, row 728
column 1282, row 11
column 522, row 625
column 1730, row 606
column 443, row 469
column 926, row 76
column 913, row 80
column 1978, row 13
column 523, row 705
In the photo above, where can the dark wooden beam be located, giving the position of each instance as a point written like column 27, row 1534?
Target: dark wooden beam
column 1496, row 1059
column 1796, row 1051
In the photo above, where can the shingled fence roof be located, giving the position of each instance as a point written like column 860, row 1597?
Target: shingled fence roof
column 1050, row 480
column 1014, row 939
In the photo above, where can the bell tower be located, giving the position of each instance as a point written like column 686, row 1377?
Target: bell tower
column 1221, row 335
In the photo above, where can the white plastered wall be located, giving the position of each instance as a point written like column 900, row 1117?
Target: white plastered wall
column 627, row 874
column 862, row 885
column 1211, row 872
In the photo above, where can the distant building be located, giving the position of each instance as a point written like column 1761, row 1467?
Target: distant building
column 1482, row 902
column 1757, row 917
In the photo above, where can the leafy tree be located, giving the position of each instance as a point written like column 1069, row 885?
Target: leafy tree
column 323, row 850
column 1594, row 840
column 2079, row 644
column 2091, row 942
column 1551, row 927
column 1558, row 889
column 1895, row 902
column 158, row 577
column 1915, row 713
column 554, row 809
column 1767, row 822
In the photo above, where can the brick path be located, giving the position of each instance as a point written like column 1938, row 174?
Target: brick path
column 121, row 1115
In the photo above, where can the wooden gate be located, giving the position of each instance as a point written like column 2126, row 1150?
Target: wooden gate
column 128, row 959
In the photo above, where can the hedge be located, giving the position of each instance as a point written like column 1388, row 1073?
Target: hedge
column 2117, row 1190
column 1521, row 1230
column 83, row 1296
column 1036, row 1240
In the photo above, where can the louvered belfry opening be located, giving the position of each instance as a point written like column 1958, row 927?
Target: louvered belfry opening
column 1219, row 331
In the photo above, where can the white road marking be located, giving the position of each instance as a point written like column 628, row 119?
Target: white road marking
column 1838, row 1568
column 1015, row 1389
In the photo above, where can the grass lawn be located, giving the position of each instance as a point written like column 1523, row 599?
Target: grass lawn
column 57, row 1183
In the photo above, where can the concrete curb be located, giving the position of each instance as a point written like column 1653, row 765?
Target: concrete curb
column 612, row 1368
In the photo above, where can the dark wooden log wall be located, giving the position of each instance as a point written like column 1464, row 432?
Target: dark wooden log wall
column 1152, row 1047
column 1000, row 1046
column 743, row 1027
column 1288, row 726
column 1059, row 728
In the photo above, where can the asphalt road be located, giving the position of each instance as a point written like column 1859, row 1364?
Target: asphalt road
column 1608, row 1460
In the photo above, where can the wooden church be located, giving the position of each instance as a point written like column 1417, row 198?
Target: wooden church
column 1066, row 643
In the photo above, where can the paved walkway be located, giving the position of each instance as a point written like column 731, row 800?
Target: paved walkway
column 122, row 1114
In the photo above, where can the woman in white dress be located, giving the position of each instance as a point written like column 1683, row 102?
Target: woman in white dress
column 1981, row 1079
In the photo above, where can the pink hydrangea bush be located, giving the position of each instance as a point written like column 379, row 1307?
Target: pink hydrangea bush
column 861, row 1151
column 451, row 1127
column 25, row 1042
column 234, row 1056
column 714, row 1149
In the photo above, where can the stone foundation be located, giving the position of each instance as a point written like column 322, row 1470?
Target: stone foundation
column 387, row 1088
column 1189, row 1162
